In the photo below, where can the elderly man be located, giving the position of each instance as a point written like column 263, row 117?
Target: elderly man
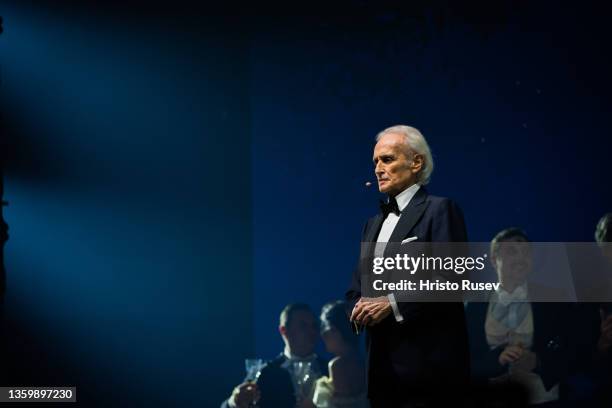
column 277, row 385
column 417, row 351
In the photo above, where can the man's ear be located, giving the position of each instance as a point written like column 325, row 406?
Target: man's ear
column 493, row 260
column 282, row 330
column 417, row 163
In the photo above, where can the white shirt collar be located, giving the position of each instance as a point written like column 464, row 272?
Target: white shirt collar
column 405, row 196
column 290, row 356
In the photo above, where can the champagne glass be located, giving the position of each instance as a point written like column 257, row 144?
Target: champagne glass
column 253, row 368
column 303, row 375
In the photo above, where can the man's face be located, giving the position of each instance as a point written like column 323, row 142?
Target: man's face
column 302, row 333
column 513, row 260
column 393, row 168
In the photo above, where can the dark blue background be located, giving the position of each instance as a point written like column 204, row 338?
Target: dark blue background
column 127, row 173
column 516, row 115
column 176, row 176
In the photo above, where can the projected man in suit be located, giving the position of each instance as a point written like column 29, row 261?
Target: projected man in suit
column 276, row 386
column 416, row 351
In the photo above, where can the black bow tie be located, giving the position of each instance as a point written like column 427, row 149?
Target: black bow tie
column 390, row 207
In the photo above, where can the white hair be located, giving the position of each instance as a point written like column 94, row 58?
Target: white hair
column 416, row 143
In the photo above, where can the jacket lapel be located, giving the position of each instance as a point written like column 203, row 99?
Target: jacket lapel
column 372, row 233
column 410, row 216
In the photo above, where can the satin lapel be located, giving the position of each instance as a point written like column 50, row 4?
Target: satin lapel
column 372, row 232
column 410, row 216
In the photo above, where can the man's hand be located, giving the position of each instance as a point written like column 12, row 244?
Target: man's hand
column 370, row 311
column 526, row 362
column 243, row 395
column 605, row 338
column 510, row 354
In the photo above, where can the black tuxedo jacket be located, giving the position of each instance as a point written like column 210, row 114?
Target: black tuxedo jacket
column 426, row 353
column 550, row 342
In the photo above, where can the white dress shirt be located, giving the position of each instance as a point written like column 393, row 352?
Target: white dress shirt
column 389, row 224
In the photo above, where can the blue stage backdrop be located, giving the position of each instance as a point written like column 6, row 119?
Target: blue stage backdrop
column 516, row 116
column 175, row 177
column 128, row 178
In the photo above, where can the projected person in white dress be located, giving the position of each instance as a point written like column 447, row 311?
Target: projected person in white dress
column 346, row 385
